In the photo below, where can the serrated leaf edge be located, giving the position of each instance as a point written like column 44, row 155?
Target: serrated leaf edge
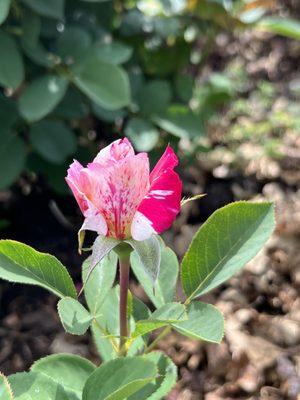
column 43, row 254
column 62, row 321
column 7, row 385
column 192, row 295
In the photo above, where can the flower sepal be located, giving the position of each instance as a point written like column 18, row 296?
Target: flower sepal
column 148, row 251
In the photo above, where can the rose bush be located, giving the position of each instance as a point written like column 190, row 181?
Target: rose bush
column 127, row 207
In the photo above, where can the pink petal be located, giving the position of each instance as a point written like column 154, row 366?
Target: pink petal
column 94, row 221
column 118, row 197
column 77, row 185
column 80, row 187
column 115, row 152
column 168, row 160
column 141, row 227
column 117, row 190
column 162, row 203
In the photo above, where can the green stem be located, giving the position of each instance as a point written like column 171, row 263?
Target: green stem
column 124, row 285
column 164, row 333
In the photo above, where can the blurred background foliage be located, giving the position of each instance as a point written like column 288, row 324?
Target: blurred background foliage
column 75, row 72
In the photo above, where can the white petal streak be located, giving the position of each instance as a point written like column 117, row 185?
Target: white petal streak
column 159, row 194
column 141, row 227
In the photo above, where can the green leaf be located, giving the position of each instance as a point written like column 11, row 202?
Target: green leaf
column 108, row 319
column 106, row 84
column 166, row 379
column 107, row 115
column 12, row 158
column 31, row 28
column 5, row 389
column 106, row 329
column 47, row 8
column 39, row 55
column 169, row 312
column 166, row 315
column 22, row 264
column 65, row 44
column 53, row 140
column 154, row 97
column 164, row 61
column 11, row 66
column 117, row 379
column 142, row 133
column 8, row 114
column 184, row 85
column 74, row 316
column 167, row 277
column 224, row 244
column 68, row 370
column 205, row 322
column 4, row 10
column 180, row 122
column 101, row 247
column 281, row 26
column 53, row 173
column 113, row 53
column 41, row 96
column 139, row 310
column 149, row 253
column 103, row 344
column 73, row 105
column 100, row 281
column 167, row 27
column 33, row 386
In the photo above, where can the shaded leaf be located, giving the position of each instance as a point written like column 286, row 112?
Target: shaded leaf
column 184, row 85
column 11, row 65
column 4, row 10
column 142, row 133
column 39, row 55
column 113, row 53
column 73, row 105
column 65, row 44
column 41, row 96
column 8, row 115
column 12, row 158
column 31, row 28
column 181, row 122
column 107, row 115
column 53, row 140
column 154, row 97
column 105, row 84
column 47, row 8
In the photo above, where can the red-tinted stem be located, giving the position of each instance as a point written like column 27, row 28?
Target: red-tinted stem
column 124, row 284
